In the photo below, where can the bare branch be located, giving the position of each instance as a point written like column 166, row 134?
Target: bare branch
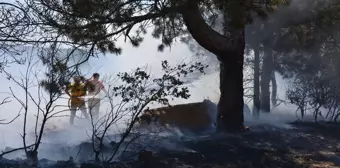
column 3, row 121
column 14, row 150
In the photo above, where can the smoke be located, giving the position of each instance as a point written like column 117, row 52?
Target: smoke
column 262, row 30
column 11, row 134
column 59, row 134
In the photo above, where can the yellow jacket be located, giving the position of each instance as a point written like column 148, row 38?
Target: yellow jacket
column 77, row 90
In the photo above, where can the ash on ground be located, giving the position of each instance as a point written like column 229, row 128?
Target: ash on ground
column 303, row 144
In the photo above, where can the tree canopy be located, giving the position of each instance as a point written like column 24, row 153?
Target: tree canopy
column 97, row 25
column 102, row 22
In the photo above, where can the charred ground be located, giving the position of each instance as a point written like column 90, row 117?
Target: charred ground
column 307, row 145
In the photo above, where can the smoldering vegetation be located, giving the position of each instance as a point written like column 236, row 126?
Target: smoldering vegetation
column 296, row 43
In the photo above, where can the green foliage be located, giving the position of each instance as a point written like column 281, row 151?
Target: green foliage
column 58, row 73
column 134, row 91
column 15, row 26
column 134, row 84
column 311, row 41
column 101, row 22
column 298, row 35
column 306, row 49
column 310, row 93
column 308, row 54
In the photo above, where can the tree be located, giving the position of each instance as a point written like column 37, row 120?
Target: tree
column 267, row 70
column 14, row 27
column 260, row 35
column 256, row 99
column 22, row 30
column 272, row 36
column 134, row 92
column 307, row 53
column 3, row 121
column 100, row 23
column 253, row 43
column 45, row 104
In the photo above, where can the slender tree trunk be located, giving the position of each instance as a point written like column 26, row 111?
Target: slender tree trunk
column 274, row 89
column 267, row 68
column 256, row 98
column 229, row 49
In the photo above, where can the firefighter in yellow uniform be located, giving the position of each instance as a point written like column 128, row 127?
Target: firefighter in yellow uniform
column 78, row 90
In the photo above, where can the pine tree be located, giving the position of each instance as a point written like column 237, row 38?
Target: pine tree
column 98, row 23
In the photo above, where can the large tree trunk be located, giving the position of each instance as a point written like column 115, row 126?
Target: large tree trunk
column 256, row 98
column 267, row 68
column 230, row 106
column 229, row 49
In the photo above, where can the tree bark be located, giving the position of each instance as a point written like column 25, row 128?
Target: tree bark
column 274, row 89
column 32, row 157
column 230, row 105
column 229, row 49
column 267, row 68
column 256, row 98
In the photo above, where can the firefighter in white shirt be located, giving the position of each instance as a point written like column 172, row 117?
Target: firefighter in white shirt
column 94, row 86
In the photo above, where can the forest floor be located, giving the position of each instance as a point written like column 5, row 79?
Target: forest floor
column 307, row 145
